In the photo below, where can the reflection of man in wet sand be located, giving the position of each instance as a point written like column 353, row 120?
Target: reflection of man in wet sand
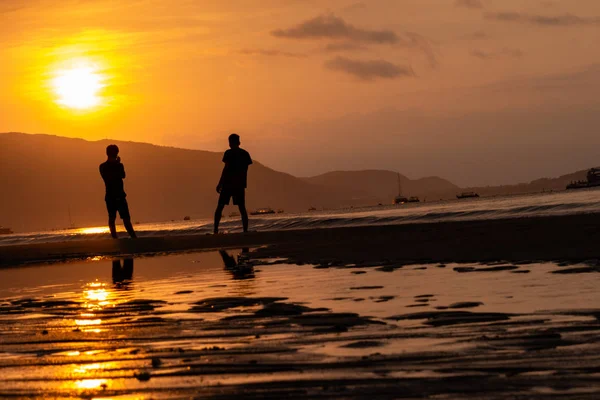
column 122, row 273
column 233, row 181
column 240, row 269
column 113, row 173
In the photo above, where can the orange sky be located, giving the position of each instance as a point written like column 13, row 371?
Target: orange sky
column 479, row 92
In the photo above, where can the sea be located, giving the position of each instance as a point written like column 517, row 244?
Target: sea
column 584, row 201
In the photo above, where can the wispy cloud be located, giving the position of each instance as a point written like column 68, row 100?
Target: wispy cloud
column 344, row 46
column 332, row 27
column 369, row 70
column 344, row 35
column 270, row 53
column 506, row 52
column 543, row 20
column 469, row 3
column 478, row 35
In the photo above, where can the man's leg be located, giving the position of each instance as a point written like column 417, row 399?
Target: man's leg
column 129, row 227
column 244, row 215
column 218, row 214
column 126, row 217
column 112, row 227
column 111, row 207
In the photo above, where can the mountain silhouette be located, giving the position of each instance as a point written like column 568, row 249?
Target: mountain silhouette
column 49, row 181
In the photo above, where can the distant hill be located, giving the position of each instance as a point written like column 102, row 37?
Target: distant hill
column 377, row 186
column 538, row 185
column 43, row 177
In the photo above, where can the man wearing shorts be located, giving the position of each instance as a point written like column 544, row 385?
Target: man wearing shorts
column 233, row 181
column 113, row 173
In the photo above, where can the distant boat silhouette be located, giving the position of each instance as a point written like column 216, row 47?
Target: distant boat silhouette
column 312, row 209
column 234, row 214
column 71, row 224
column 413, row 199
column 467, row 195
column 400, row 199
column 593, row 180
column 187, row 218
column 5, row 231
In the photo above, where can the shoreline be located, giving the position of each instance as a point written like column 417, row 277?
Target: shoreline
column 573, row 237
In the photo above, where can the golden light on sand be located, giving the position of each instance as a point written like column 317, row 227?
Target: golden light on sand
column 89, row 231
column 78, row 86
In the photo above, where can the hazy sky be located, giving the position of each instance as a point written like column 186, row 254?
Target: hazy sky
column 476, row 91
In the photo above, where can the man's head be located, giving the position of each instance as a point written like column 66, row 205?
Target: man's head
column 112, row 151
column 234, row 140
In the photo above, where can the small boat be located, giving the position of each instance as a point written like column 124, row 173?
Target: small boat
column 186, row 218
column 280, row 211
column 263, row 211
column 400, row 199
column 467, row 195
column 593, row 180
column 312, row 209
column 413, row 199
column 234, row 214
column 5, row 231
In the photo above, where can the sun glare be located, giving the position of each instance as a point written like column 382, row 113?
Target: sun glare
column 78, row 87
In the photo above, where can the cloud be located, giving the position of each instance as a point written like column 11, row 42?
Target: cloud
column 469, row 3
column 506, row 52
column 344, row 46
column 331, row 27
column 370, row 69
column 270, row 53
column 543, row 20
column 478, row 35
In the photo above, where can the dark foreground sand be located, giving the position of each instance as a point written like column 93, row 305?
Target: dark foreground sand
column 505, row 309
column 541, row 238
column 195, row 325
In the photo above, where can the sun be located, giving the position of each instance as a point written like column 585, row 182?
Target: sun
column 78, row 87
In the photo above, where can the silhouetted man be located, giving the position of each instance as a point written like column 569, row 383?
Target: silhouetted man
column 233, row 181
column 113, row 173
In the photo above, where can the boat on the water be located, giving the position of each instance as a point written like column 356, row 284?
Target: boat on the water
column 280, row 211
column 187, row 218
column 263, row 211
column 312, row 209
column 234, row 214
column 467, row 195
column 400, row 199
column 413, row 199
column 5, row 231
column 593, row 180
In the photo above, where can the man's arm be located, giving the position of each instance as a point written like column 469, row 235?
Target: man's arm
column 220, row 185
column 122, row 171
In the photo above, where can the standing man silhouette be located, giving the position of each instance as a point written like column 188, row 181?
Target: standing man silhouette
column 233, row 181
column 113, row 173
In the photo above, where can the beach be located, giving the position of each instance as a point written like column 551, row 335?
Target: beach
column 462, row 310
column 564, row 237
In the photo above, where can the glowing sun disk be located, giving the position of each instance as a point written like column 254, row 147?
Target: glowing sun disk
column 78, row 87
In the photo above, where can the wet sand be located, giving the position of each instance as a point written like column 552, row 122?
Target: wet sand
column 574, row 237
column 205, row 325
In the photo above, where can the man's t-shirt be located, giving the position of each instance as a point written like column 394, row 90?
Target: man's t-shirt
column 236, row 172
column 113, row 173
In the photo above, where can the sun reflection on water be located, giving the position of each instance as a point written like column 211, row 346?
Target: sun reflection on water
column 90, row 383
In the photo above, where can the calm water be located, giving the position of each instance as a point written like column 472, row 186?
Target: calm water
column 540, row 204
